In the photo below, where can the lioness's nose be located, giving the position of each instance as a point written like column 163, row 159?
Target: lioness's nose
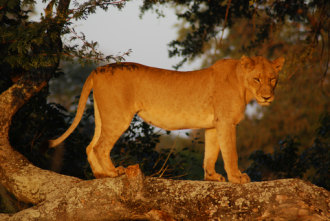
column 266, row 97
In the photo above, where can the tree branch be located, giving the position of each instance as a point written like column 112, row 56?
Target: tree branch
column 62, row 10
column 224, row 23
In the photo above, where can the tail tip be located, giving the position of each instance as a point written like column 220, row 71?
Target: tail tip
column 51, row 143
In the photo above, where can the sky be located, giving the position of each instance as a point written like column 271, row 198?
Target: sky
column 117, row 31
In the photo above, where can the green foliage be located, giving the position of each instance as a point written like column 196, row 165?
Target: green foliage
column 83, row 10
column 27, row 45
column 291, row 160
column 88, row 51
column 284, row 162
column 188, row 163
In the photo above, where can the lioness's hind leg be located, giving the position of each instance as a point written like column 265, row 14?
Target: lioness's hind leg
column 100, row 161
column 212, row 149
column 92, row 159
column 110, row 132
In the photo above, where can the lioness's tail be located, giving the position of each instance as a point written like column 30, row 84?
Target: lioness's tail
column 80, row 110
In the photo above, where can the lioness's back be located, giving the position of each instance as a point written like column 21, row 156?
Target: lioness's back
column 155, row 85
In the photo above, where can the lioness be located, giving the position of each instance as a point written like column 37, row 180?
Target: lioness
column 213, row 98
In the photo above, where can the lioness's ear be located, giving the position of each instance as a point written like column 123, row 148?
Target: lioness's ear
column 278, row 64
column 247, row 62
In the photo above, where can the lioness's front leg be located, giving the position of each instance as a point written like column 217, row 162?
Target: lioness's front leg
column 212, row 149
column 227, row 139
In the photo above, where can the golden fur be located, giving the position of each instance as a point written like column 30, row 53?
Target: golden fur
column 213, row 98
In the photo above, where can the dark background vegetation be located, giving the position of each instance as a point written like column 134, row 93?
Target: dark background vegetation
column 288, row 139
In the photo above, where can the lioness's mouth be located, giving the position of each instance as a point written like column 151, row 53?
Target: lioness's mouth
column 264, row 102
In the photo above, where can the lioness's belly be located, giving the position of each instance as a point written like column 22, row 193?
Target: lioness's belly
column 176, row 121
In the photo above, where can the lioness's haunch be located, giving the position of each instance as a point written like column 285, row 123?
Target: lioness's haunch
column 213, row 98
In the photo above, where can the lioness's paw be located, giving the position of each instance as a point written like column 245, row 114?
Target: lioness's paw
column 105, row 175
column 241, row 178
column 245, row 178
column 120, row 170
column 111, row 173
column 214, row 177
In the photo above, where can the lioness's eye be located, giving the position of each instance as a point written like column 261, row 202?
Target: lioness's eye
column 256, row 80
column 273, row 80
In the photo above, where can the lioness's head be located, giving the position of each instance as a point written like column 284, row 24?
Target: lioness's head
column 260, row 77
